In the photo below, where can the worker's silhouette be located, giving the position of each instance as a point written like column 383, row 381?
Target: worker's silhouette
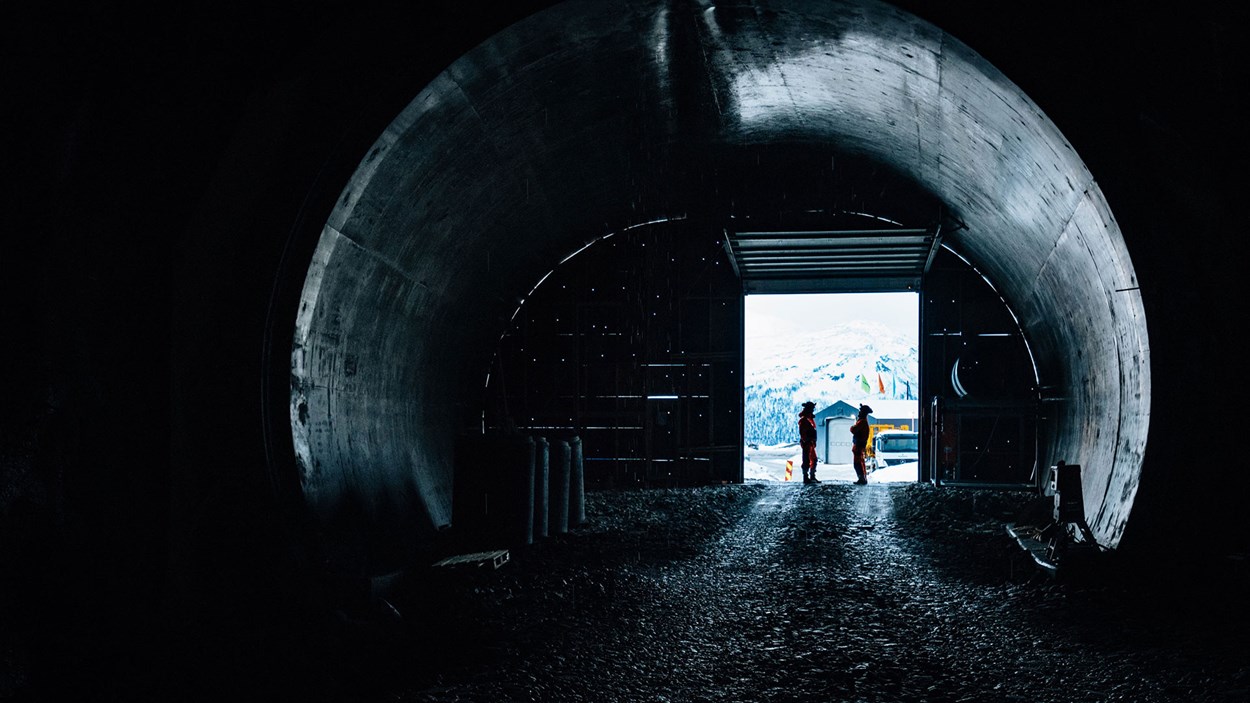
column 859, row 442
column 807, row 441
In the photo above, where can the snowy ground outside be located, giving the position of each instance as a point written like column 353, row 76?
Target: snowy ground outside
column 768, row 463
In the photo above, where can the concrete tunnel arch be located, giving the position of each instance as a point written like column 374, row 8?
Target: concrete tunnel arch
column 591, row 117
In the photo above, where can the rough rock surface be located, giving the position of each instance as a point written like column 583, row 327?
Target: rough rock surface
column 765, row 592
column 784, row 592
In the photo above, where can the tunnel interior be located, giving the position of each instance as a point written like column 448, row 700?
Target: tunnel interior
column 588, row 124
column 175, row 170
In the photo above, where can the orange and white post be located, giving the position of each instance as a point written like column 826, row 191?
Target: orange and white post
column 789, row 468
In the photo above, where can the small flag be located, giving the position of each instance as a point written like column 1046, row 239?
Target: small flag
column 863, row 383
column 880, row 384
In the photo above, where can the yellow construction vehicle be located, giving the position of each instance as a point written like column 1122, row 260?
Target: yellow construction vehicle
column 872, row 432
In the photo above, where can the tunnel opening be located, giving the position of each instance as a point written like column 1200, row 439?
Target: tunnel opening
column 637, row 349
column 837, row 350
column 478, row 188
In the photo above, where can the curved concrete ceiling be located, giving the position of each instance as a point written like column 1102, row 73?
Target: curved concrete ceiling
column 591, row 117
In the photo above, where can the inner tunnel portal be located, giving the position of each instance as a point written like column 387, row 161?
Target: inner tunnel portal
column 682, row 121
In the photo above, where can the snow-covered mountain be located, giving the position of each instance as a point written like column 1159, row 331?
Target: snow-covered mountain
column 851, row 362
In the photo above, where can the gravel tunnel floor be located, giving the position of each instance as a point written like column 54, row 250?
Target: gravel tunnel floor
column 783, row 592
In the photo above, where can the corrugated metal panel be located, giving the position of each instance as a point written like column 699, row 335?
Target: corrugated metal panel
column 812, row 261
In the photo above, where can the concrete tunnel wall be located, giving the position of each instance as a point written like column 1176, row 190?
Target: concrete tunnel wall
column 582, row 120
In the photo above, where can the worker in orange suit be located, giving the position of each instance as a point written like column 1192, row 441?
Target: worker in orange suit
column 807, row 441
column 859, row 443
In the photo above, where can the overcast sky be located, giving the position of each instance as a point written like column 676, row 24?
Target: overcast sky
column 780, row 315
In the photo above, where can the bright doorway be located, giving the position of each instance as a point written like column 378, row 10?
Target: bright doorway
column 837, row 350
